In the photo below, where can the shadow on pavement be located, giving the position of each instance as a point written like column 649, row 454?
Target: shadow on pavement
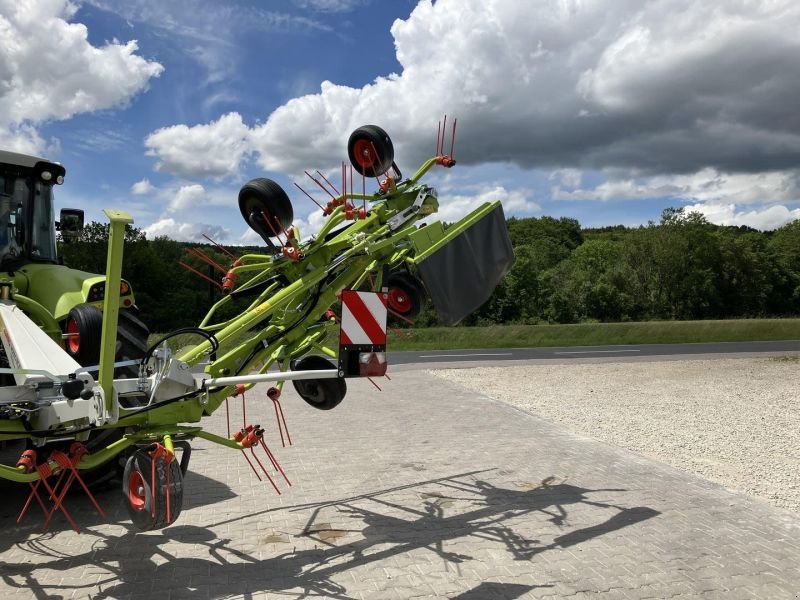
column 387, row 528
column 489, row 591
column 202, row 491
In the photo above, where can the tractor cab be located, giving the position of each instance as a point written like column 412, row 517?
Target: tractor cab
column 65, row 303
column 27, row 223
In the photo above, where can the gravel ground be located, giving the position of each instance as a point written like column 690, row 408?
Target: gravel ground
column 733, row 421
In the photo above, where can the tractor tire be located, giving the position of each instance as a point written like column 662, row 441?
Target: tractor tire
column 406, row 295
column 264, row 195
column 132, row 336
column 84, row 324
column 370, row 150
column 322, row 394
column 86, row 321
column 148, row 510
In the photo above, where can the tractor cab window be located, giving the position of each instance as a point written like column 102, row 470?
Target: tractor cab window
column 43, row 231
column 14, row 193
column 22, row 208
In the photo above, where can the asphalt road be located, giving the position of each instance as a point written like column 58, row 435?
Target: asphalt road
column 575, row 352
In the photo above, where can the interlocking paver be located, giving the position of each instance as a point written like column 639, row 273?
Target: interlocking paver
column 426, row 490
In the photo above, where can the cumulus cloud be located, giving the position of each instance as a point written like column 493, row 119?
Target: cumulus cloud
column 143, row 187
column 186, row 232
column 765, row 218
column 669, row 86
column 187, row 196
column 455, row 206
column 653, row 87
column 706, row 185
column 50, row 71
column 215, row 150
column 667, row 99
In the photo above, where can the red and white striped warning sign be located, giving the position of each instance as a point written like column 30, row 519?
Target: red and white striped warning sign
column 363, row 318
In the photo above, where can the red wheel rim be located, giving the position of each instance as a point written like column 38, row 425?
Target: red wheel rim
column 399, row 300
column 74, row 339
column 136, row 491
column 364, row 154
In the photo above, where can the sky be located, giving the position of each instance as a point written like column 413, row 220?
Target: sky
column 607, row 111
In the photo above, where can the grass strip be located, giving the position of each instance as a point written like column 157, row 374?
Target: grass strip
column 594, row 334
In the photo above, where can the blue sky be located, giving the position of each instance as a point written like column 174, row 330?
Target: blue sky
column 608, row 112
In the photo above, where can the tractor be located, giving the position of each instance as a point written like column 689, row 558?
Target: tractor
column 66, row 303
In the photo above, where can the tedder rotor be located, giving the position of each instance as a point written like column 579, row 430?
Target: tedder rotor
column 372, row 257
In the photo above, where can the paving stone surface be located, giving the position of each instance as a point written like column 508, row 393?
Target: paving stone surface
column 424, row 490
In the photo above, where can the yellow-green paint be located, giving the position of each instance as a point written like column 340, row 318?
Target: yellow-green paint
column 454, row 231
column 108, row 339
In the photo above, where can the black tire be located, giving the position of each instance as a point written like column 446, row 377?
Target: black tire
column 322, row 394
column 264, row 195
column 364, row 142
column 132, row 336
column 138, row 491
column 406, row 295
column 86, row 321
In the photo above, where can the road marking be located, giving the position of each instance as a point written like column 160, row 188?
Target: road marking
column 594, row 351
column 460, row 355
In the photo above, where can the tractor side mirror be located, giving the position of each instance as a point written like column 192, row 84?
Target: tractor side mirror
column 70, row 223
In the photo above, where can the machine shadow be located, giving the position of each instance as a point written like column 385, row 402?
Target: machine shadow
column 202, row 491
column 134, row 560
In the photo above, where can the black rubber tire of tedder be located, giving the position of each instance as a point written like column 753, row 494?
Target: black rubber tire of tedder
column 322, row 394
column 137, row 489
column 406, row 295
column 362, row 147
column 264, row 195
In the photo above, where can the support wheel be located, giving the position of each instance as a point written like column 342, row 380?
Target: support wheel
column 370, row 150
column 83, row 327
column 148, row 510
column 323, row 394
column 261, row 196
column 406, row 295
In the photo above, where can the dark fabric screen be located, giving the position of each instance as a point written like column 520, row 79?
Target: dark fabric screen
column 463, row 274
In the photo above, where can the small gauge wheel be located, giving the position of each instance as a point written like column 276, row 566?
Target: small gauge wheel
column 406, row 295
column 148, row 508
column 370, row 150
column 322, row 394
column 261, row 198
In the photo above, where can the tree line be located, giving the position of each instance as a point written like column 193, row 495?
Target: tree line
column 681, row 267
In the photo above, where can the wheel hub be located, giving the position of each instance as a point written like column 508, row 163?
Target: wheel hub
column 364, row 153
column 136, row 491
column 399, row 300
column 74, row 339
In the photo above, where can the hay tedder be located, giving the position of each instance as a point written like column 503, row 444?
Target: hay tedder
column 371, row 258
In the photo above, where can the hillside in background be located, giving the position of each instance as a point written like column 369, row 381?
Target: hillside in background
column 680, row 268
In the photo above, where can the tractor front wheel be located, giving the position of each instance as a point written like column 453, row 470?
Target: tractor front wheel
column 83, row 327
column 148, row 485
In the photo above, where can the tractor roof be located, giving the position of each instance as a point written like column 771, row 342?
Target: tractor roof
column 26, row 161
column 22, row 160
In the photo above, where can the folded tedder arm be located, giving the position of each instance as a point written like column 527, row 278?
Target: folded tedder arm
column 357, row 269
